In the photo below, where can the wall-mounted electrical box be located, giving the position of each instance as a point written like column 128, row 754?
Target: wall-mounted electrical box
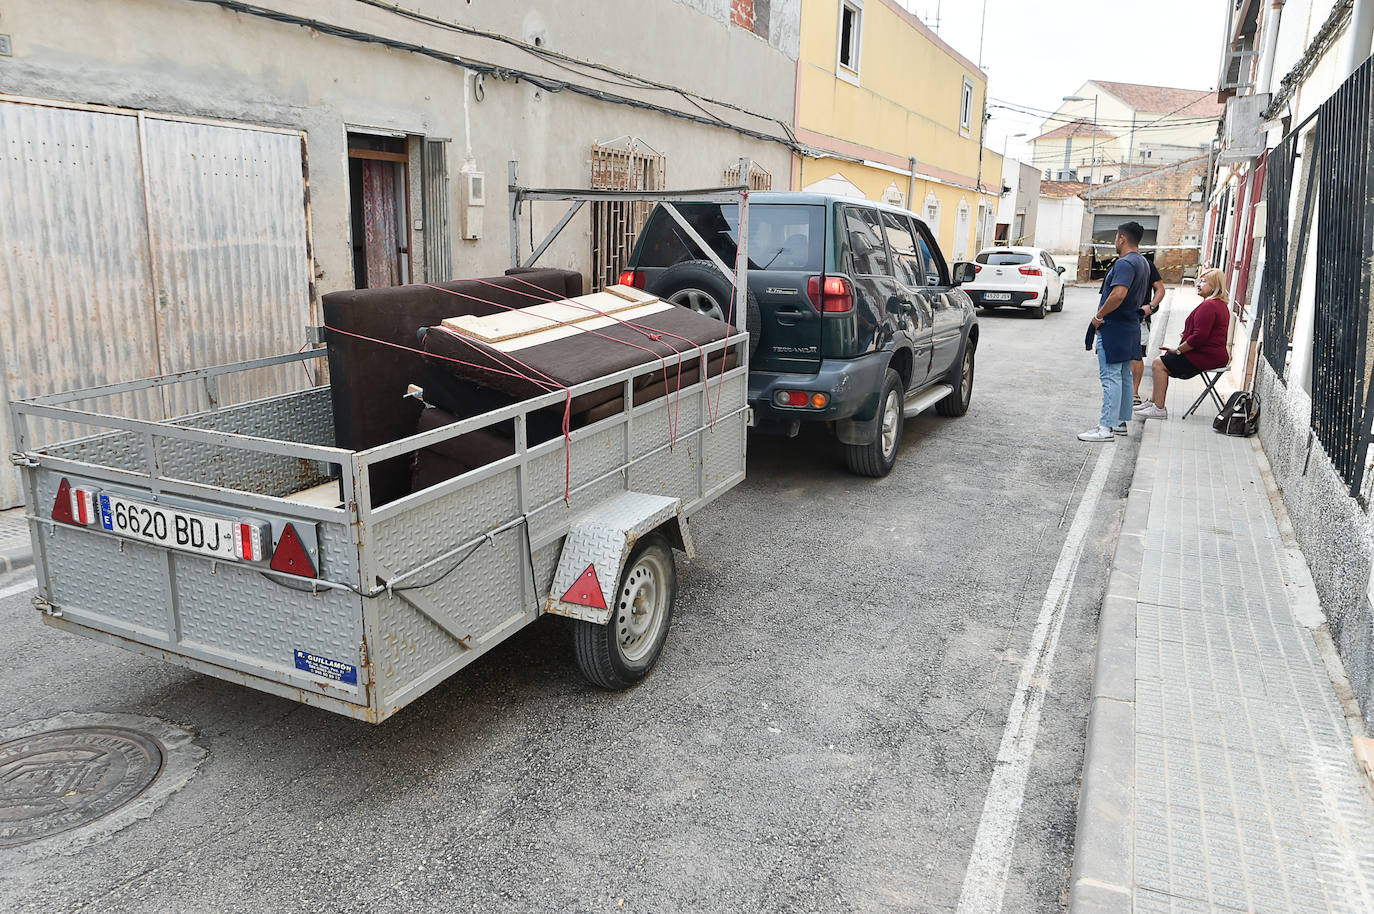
column 473, row 199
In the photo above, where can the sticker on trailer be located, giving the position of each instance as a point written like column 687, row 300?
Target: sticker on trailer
column 323, row 667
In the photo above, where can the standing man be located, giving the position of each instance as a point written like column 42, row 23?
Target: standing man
column 1155, row 294
column 1117, row 323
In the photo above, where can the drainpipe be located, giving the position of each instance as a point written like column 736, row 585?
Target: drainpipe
column 911, row 184
column 1361, row 30
column 1265, row 81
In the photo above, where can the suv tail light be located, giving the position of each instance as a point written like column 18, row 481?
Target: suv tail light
column 1029, row 271
column 831, row 294
column 633, row 278
column 74, row 505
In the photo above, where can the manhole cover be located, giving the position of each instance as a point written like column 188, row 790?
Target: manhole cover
column 58, row 780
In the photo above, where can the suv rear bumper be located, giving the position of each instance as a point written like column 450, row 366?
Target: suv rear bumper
column 853, row 386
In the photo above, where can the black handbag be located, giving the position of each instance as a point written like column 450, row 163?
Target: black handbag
column 1239, row 416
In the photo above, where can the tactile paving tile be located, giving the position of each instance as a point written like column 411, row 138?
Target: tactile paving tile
column 1247, row 796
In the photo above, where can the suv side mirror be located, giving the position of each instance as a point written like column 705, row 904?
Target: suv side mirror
column 964, row 271
column 1061, row 270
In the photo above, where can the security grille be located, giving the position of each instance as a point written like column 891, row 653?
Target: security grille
column 623, row 164
column 1277, row 293
column 1345, row 251
column 759, row 178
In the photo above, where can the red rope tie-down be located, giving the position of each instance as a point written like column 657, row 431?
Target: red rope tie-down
column 547, row 384
column 663, row 361
column 655, row 334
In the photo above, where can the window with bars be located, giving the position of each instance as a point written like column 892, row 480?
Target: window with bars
column 627, row 163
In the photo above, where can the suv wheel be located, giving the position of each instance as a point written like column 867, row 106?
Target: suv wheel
column 878, row 457
column 698, row 286
column 956, row 401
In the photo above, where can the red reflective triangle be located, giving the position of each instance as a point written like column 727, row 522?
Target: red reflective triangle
column 290, row 555
column 586, row 590
column 62, row 507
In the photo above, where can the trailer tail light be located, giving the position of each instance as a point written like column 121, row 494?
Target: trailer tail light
column 632, row 278
column 831, row 294
column 1029, row 271
column 74, row 505
column 291, row 556
column 249, row 537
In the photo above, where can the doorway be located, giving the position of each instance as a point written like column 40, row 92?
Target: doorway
column 378, row 181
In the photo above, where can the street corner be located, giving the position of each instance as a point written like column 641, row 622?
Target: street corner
column 70, row 781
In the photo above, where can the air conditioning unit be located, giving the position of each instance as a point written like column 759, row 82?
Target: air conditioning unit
column 1243, row 134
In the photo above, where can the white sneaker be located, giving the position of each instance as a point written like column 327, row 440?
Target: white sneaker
column 1153, row 412
column 1101, row 433
column 1119, row 429
column 1142, row 405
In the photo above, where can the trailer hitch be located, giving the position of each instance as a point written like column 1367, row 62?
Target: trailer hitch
column 23, row 460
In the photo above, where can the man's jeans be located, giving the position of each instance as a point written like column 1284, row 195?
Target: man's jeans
column 1116, row 389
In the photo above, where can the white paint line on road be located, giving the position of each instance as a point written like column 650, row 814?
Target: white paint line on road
column 26, row 584
column 985, row 880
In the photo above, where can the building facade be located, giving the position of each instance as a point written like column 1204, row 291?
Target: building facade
column 1059, row 221
column 1166, row 201
column 890, row 112
column 1108, row 130
column 1019, row 206
column 185, row 179
column 1289, row 221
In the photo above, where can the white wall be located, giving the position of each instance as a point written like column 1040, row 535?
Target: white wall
column 1059, row 226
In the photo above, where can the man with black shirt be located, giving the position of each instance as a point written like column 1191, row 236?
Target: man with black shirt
column 1148, row 310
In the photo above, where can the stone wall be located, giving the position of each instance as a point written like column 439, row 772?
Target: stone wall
column 1334, row 531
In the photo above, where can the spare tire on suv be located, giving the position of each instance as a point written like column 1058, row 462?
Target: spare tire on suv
column 699, row 285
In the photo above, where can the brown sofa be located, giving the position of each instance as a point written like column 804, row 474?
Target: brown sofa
column 368, row 381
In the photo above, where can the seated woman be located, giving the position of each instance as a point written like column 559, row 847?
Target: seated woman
column 1201, row 348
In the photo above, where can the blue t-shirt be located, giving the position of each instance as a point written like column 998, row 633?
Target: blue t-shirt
column 1132, row 271
column 1119, row 335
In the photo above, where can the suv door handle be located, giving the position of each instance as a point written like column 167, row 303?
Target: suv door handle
column 788, row 315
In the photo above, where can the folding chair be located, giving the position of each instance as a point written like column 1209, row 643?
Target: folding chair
column 1210, row 378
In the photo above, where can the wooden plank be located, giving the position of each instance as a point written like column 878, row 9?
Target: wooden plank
column 509, row 325
column 630, row 293
column 595, row 323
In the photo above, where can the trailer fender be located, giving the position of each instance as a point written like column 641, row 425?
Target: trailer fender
column 598, row 543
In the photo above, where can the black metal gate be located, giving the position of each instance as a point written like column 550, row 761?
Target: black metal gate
column 1276, row 297
column 1345, row 224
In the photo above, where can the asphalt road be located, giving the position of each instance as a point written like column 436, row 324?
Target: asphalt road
column 819, row 735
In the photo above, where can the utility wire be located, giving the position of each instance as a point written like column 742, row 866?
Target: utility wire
column 552, row 56
column 542, row 82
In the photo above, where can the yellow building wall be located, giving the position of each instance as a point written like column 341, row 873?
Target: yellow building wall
column 907, row 103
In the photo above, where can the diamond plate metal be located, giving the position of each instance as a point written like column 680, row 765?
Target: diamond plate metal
column 602, row 538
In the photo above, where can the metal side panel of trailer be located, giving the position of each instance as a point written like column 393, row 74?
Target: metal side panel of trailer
column 409, row 592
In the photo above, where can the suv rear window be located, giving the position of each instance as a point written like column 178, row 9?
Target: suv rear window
column 782, row 236
column 1002, row 258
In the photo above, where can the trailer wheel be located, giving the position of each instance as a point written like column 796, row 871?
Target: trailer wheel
column 621, row 652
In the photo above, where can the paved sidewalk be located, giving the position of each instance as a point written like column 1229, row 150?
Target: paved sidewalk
column 1220, row 772
column 16, row 549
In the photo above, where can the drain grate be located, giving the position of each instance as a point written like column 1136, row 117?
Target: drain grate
column 57, row 780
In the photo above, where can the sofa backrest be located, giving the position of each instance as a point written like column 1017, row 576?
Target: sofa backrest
column 368, row 380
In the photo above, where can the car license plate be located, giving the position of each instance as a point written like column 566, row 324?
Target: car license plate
column 200, row 533
column 997, row 296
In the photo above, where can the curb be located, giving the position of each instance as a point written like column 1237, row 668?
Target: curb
column 1103, row 874
column 15, row 560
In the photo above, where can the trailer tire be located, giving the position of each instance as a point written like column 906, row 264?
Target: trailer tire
column 623, row 651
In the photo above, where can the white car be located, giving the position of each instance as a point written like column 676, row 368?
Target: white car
column 1017, row 277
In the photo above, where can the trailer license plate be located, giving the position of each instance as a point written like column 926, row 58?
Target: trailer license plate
column 997, row 296
column 213, row 536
